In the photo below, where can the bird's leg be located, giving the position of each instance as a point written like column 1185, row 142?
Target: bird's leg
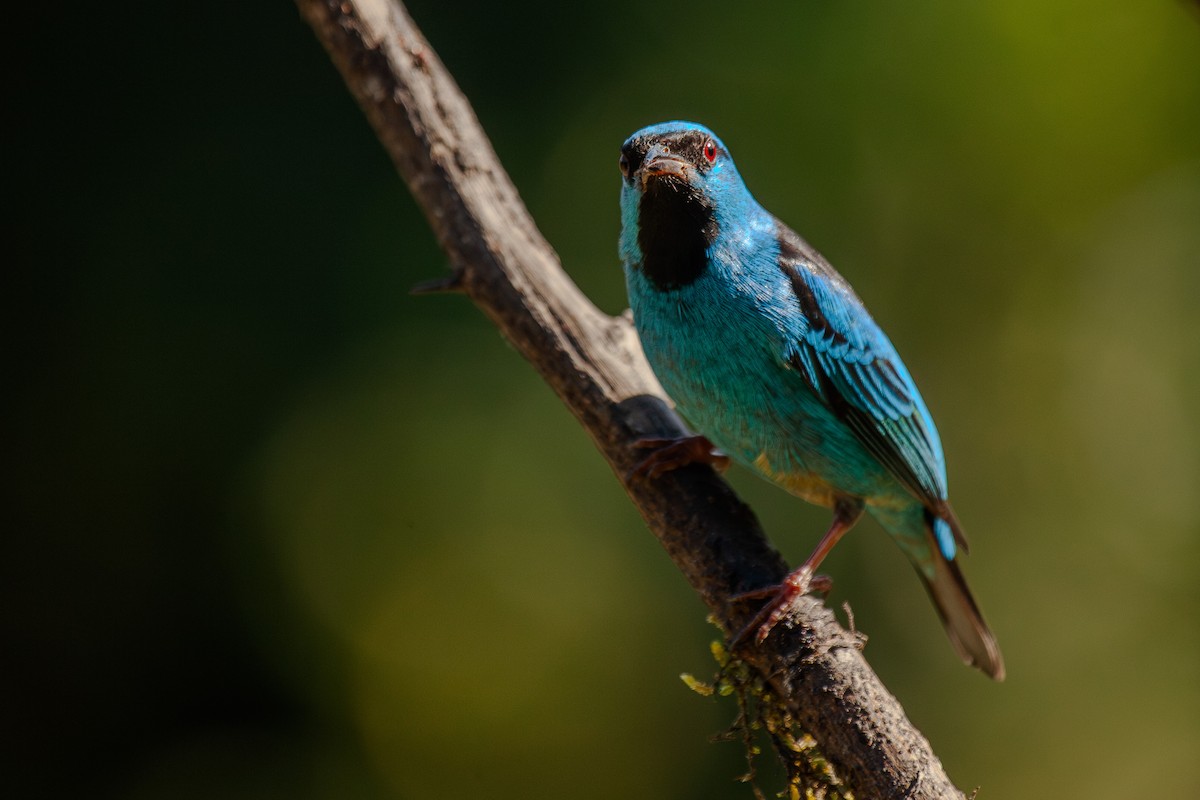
column 802, row 580
column 672, row 454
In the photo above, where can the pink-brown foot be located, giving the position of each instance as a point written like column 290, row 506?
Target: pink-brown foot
column 671, row 454
column 798, row 582
column 846, row 511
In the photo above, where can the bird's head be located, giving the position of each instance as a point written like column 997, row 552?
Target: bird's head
column 678, row 183
column 676, row 158
column 682, row 151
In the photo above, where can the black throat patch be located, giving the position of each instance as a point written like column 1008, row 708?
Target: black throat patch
column 676, row 226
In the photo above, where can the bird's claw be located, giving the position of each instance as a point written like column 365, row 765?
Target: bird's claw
column 799, row 582
column 672, row 453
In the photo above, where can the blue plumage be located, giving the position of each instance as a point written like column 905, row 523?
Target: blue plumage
column 769, row 353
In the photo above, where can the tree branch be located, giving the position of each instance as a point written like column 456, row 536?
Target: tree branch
column 595, row 365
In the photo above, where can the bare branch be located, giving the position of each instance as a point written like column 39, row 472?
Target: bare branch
column 595, row 365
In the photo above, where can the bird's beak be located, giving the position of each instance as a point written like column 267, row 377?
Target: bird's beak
column 659, row 164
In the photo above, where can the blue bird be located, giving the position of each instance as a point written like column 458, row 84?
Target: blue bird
column 775, row 361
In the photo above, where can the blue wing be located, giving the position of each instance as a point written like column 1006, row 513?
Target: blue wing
column 852, row 367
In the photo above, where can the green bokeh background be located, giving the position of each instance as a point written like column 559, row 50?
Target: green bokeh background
column 277, row 529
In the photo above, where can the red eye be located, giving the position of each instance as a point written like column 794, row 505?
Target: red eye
column 710, row 151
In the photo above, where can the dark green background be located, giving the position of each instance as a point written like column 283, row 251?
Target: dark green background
column 276, row 529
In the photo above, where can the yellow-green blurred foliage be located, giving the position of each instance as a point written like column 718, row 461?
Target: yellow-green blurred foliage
column 277, row 529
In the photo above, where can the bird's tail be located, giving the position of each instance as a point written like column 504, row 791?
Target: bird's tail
column 969, row 634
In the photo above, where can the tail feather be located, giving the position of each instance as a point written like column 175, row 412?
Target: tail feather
column 969, row 634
